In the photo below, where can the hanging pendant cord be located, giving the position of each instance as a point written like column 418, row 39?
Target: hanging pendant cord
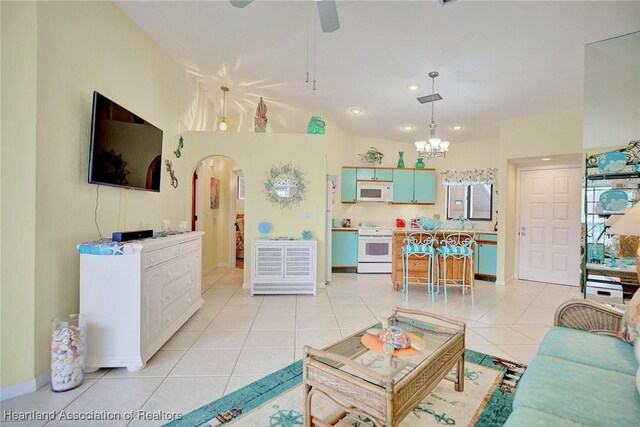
column 224, row 101
column 315, row 24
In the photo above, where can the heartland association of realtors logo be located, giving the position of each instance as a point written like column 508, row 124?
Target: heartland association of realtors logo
column 62, row 415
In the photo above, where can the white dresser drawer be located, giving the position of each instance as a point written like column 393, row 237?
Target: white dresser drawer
column 171, row 313
column 189, row 246
column 171, row 291
column 152, row 258
column 176, row 268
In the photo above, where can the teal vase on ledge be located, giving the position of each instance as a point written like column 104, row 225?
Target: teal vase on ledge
column 400, row 160
column 419, row 163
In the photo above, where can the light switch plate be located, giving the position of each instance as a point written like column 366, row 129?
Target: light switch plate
column 306, row 215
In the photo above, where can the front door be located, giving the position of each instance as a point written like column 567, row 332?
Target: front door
column 549, row 229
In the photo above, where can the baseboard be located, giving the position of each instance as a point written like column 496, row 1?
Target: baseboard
column 25, row 387
column 505, row 282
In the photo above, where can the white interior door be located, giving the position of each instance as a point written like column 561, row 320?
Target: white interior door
column 549, row 226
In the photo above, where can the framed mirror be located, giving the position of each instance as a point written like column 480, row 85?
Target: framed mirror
column 285, row 185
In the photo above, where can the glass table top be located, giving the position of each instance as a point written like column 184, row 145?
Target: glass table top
column 397, row 367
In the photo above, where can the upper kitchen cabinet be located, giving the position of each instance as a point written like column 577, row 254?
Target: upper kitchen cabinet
column 414, row 186
column 348, row 185
column 374, row 174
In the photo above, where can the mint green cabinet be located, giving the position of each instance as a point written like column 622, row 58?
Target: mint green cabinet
column 486, row 256
column 424, row 186
column 348, row 185
column 414, row 186
column 344, row 249
column 374, row 174
column 403, row 186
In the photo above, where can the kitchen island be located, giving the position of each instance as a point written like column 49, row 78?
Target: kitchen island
column 418, row 266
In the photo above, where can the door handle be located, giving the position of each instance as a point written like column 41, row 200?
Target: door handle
column 522, row 231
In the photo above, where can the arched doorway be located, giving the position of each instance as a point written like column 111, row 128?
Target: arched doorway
column 218, row 211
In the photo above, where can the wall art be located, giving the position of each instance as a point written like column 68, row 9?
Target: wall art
column 285, row 185
column 172, row 173
column 214, row 195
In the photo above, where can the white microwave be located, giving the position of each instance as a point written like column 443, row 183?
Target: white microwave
column 374, row 191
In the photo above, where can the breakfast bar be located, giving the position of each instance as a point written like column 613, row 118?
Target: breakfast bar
column 418, row 266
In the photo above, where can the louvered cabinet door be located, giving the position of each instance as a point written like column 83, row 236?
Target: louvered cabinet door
column 299, row 262
column 269, row 261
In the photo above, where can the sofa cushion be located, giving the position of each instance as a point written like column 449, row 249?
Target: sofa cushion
column 583, row 394
column 527, row 417
column 629, row 329
column 600, row 351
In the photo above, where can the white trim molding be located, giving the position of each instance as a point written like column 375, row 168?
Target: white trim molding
column 25, row 387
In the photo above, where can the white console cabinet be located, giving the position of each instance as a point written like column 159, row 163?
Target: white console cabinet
column 283, row 267
column 133, row 303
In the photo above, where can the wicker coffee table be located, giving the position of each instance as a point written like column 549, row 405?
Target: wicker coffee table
column 361, row 382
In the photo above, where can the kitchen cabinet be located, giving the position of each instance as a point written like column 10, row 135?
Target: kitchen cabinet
column 414, row 186
column 133, row 303
column 348, row 185
column 374, row 174
column 486, row 256
column 344, row 248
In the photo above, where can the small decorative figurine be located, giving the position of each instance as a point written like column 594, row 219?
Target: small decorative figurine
column 393, row 337
column 172, row 173
column 177, row 153
column 316, row 126
column 372, row 156
column 260, row 119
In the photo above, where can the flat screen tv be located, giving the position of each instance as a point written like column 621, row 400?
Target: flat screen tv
column 126, row 150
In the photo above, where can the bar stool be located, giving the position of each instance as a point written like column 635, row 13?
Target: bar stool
column 418, row 244
column 457, row 245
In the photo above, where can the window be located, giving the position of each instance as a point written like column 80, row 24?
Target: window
column 240, row 187
column 474, row 202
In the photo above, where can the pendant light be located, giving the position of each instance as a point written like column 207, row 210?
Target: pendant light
column 223, row 123
column 435, row 147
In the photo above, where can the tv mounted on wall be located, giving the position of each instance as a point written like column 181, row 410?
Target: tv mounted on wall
column 126, row 150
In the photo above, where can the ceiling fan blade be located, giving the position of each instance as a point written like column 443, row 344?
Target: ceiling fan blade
column 240, row 3
column 328, row 15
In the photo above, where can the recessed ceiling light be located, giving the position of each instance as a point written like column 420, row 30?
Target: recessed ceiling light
column 356, row 110
column 457, row 127
column 413, row 86
column 408, row 127
column 546, row 159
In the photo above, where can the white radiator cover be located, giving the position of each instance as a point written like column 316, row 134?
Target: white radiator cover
column 283, row 267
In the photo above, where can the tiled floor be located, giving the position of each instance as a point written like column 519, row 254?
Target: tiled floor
column 236, row 339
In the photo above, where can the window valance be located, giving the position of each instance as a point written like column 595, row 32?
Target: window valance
column 469, row 177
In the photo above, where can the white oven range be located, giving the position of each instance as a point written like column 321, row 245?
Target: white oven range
column 374, row 250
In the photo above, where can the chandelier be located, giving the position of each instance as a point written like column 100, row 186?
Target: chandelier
column 435, row 147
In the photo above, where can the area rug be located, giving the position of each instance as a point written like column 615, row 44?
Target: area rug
column 276, row 400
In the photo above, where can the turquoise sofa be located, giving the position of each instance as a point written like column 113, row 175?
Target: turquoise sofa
column 582, row 374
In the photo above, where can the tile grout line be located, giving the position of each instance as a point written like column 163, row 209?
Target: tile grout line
column 235, row 365
column 181, row 357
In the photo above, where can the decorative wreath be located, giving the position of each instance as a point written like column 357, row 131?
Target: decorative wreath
column 285, row 185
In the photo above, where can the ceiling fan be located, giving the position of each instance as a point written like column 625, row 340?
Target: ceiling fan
column 326, row 10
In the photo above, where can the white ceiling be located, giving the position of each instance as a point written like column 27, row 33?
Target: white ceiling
column 497, row 60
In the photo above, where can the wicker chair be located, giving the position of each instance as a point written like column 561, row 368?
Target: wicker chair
column 588, row 316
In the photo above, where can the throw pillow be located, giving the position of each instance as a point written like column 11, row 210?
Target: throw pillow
column 629, row 329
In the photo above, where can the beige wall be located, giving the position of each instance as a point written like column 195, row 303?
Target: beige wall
column 470, row 155
column 255, row 154
column 67, row 50
column 555, row 134
column 612, row 92
column 18, row 195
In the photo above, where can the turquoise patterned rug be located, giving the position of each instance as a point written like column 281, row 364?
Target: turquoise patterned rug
column 276, row 400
